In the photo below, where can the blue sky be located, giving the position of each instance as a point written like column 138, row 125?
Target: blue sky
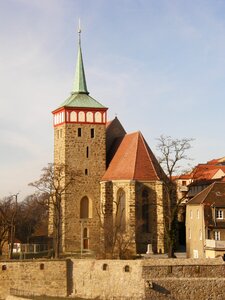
column 159, row 65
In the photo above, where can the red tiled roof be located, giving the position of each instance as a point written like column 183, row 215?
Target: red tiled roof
column 205, row 171
column 134, row 160
column 216, row 161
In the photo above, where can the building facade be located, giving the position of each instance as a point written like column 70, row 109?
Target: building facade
column 205, row 223
column 117, row 197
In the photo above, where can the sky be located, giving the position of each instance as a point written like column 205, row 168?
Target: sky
column 158, row 65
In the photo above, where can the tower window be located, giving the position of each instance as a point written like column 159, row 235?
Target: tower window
column 87, row 152
column 79, row 132
column 92, row 133
column 85, row 208
column 85, row 239
column 86, row 171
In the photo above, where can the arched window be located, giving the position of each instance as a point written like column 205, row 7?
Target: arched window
column 121, row 209
column 85, row 239
column 145, row 211
column 73, row 116
column 98, row 117
column 84, row 208
column 89, row 116
column 81, row 116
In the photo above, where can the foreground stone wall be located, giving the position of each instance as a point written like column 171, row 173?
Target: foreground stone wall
column 39, row 277
column 184, row 279
column 177, row 279
column 108, row 279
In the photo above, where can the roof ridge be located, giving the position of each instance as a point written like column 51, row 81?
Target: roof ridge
column 206, row 190
column 153, row 167
column 137, row 145
column 209, row 190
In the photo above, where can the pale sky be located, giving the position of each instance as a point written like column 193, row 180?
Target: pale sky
column 159, row 65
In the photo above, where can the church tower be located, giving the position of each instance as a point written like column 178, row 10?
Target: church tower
column 80, row 144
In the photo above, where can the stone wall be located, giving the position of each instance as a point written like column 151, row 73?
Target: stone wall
column 108, row 279
column 86, row 156
column 177, row 279
column 40, row 277
column 184, row 279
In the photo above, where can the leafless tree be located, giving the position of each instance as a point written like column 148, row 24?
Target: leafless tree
column 53, row 184
column 14, row 207
column 31, row 213
column 118, row 236
column 172, row 154
column 5, row 218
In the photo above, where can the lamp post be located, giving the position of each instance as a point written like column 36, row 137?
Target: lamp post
column 12, row 229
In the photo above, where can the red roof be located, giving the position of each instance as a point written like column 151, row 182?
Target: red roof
column 206, row 171
column 134, row 160
column 216, row 161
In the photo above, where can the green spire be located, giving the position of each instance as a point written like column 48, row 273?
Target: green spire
column 79, row 85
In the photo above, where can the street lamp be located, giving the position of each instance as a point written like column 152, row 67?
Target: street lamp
column 12, row 229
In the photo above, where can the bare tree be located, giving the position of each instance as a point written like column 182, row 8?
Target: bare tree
column 14, row 207
column 31, row 213
column 53, row 184
column 5, row 220
column 118, row 236
column 172, row 153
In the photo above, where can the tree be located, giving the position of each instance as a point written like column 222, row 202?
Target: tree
column 172, row 153
column 53, row 184
column 30, row 214
column 5, row 220
column 118, row 236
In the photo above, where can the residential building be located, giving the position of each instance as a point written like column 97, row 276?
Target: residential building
column 205, row 222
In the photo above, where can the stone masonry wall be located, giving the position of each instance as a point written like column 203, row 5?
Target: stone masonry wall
column 108, row 279
column 186, row 279
column 177, row 279
column 34, row 277
column 86, row 155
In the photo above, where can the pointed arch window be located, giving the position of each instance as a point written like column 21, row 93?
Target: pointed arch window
column 121, row 209
column 85, row 208
column 145, row 211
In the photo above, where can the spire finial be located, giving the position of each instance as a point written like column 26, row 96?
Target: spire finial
column 79, row 30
